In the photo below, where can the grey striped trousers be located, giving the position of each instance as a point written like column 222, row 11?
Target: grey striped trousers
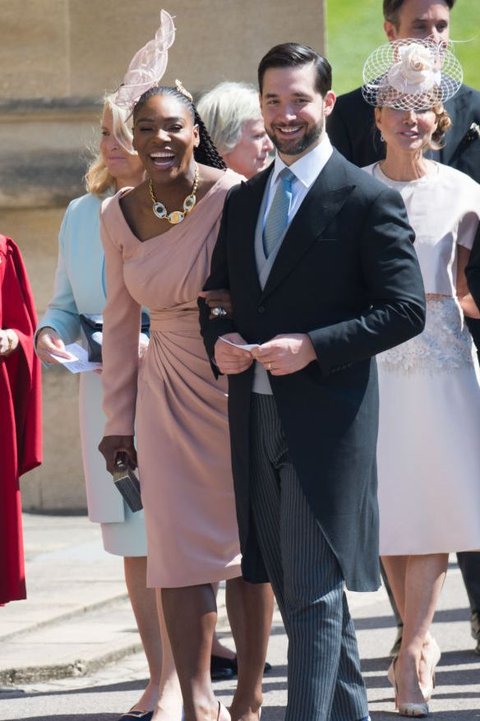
column 324, row 679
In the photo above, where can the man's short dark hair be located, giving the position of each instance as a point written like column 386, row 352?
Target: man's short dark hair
column 289, row 55
column 391, row 8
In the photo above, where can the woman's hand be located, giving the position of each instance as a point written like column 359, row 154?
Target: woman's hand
column 218, row 299
column 469, row 307
column 464, row 296
column 48, row 343
column 111, row 446
column 143, row 344
column 8, row 341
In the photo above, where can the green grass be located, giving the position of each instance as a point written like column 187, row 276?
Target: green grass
column 355, row 28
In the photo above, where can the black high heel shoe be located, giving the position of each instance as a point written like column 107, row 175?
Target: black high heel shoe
column 138, row 715
column 222, row 668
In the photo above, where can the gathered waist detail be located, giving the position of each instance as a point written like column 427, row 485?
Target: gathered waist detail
column 179, row 319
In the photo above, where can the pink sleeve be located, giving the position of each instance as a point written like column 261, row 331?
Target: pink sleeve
column 121, row 329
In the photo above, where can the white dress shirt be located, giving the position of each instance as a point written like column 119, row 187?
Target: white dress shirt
column 305, row 169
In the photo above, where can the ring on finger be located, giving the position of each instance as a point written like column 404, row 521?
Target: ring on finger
column 218, row 311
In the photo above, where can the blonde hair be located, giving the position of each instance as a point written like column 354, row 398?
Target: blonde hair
column 444, row 123
column 225, row 109
column 98, row 179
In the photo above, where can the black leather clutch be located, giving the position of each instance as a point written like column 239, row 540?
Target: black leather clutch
column 92, row 326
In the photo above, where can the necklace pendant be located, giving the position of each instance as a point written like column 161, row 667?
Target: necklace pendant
column 189, row 202
column 176, row 216
column 159, row 210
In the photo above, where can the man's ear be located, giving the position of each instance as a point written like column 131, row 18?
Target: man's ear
column 329, row 102
column 390, row 30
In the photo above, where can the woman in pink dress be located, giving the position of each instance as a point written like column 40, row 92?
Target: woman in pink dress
column 232, row 117
column 158, row 240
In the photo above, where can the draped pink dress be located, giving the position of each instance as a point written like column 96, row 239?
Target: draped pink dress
column 179, row 410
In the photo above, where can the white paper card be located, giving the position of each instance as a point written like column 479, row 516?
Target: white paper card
column 242, row 346
column 78, row 363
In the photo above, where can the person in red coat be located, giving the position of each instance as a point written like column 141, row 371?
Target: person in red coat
column 20, row 412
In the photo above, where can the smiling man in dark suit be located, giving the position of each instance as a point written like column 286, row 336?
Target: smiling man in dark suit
column 352, row 130
column 318, row 259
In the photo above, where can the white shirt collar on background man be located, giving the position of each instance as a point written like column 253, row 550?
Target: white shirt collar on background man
column 306, row 169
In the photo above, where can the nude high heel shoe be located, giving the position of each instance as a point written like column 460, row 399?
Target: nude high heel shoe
column 416, row 710
column 430, row 656
column 407, row 708
column 222, row 714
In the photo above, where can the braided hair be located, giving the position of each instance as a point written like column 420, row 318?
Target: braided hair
column 206, row 152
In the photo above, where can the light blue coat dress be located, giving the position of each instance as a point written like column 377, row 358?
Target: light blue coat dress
column 80, row 288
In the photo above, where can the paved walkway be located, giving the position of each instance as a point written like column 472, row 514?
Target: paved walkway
column 76, row 619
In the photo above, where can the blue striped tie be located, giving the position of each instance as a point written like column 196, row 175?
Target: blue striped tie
column 277, row 218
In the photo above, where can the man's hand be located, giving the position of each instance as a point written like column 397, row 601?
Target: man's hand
column 111, row 446
column 231, row 360
column 285, row 354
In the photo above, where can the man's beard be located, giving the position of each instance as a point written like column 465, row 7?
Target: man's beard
column 292, row 147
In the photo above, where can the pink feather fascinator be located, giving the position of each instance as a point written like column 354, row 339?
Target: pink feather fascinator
column 148, row 65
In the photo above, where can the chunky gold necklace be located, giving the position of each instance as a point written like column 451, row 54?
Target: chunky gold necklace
column 176, row 216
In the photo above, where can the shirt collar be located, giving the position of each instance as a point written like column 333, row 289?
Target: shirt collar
column 306, row 168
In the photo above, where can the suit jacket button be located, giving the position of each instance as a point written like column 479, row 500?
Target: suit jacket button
column 261, row 309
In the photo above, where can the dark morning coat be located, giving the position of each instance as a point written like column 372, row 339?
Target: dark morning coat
column 347, row 275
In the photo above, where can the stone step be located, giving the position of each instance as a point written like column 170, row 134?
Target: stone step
column 51, row 615
column 74, row 645
column 76, row 616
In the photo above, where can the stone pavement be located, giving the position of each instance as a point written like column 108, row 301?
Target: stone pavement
column 66, row 652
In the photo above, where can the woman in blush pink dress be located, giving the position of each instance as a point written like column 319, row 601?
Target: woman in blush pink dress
column 158, row 241
column 231, row 113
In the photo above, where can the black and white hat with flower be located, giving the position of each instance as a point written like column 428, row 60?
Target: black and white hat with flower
column 411, row 74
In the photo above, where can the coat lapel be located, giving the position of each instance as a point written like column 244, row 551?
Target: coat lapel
column 322, row 203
